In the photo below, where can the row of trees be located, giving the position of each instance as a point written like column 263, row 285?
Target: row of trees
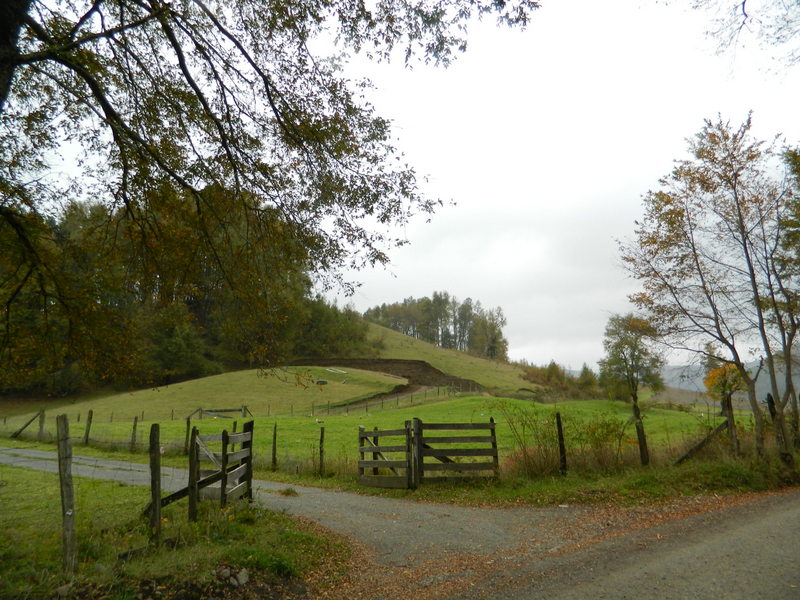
column 446, row 322
column 718, row 256
column 113, row 302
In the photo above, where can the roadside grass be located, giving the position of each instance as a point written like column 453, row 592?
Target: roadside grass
column 273, row 547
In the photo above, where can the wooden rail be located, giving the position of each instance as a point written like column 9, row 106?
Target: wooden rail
column 379, row 465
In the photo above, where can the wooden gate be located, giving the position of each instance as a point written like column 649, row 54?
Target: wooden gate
column 378, row 470
column 447, row 457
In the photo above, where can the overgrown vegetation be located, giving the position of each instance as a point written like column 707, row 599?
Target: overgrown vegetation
column 273, row 548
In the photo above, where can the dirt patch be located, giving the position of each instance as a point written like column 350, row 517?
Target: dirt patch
column 418, row 372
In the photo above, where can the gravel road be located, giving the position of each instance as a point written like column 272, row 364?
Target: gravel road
column 734, row 547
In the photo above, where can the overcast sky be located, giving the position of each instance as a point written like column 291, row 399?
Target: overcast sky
column 546, row 140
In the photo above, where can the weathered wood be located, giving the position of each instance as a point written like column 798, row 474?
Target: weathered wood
column 205, row 450
column 188, row 433
column 40, row 435
column 248, row 445
column 238, row 474
column 381, row 481
column 275, row 447
column 322, row 452
column 194, row 472
column 562, row 447
column 87, row 430
column 232, row 456
column 376, row 455
column 382, row 433
column 702, row 443
column 133, row 434
column 24, row 427
column 223, row 467
column 437, row 452
column 496, row 458
column 69, row 542
column 416, row 460
column 385, row 464
column 155, row 484
column 457, row 466
column 457, row 426
column 381, row 449
column 471, row 439
column 237, row 491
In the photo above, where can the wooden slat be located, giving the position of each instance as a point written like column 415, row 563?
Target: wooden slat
column 471, row 439
column 458, row 467
column 457, row 426
column 458, row 452
column 385, row 433
column 234, row 456
column 382, row 464
column 238, row 438
column 206, row 451
column 238, row 472
column 371, row 449
column 237, row 492
column 209, row 480
column 398, row 483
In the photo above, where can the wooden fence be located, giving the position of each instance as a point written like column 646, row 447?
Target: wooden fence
column 452, row 457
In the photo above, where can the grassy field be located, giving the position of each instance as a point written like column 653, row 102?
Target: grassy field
column 501, row 379
column 275, row 392
column 271, row 546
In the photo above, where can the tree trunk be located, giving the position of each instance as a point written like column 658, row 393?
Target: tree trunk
column 12, row 13
column 644, row 454
column 732, row 437
column 758, row 415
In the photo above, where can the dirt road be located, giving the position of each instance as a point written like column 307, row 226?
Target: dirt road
column 709, row 547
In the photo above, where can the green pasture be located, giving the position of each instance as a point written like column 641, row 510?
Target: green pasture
column 275, row 392
column 501, row 379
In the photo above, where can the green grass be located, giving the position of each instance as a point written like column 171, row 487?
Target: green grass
column 501, row 379
column 272, row 546
column 277, row 392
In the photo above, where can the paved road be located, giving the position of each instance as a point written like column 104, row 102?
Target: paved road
column 719, row 548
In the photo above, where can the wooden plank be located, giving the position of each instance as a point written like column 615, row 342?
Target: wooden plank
column 205, row 450
column 248, row 462
column 237, row 492
column 155, row 483
column 379, row 481
column 466, row 439
column 238, row 438
column 385, row 433
column 457, row 426
column 370, row 449
column 458, row 452
column 382, row 464
column 233, row 457
column 238, row 473
column 458, row 466
column 194, row 472
column 21, row 429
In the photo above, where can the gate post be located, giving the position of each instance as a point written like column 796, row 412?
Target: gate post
column 409, row 458
column 417, row 461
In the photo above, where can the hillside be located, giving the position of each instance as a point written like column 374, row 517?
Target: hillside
column 498, row 378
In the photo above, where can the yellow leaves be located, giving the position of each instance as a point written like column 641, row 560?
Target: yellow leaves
column 723, row 381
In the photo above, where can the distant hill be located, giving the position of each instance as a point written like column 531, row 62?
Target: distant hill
column 499, row 378
column 691, row 377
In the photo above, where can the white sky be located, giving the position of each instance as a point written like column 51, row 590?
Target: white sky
column 546, row 140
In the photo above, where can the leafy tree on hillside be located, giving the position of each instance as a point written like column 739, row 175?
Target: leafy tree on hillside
column 630, row 363
column 220, row 109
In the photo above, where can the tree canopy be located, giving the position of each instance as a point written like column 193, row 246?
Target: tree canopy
column 220, row 137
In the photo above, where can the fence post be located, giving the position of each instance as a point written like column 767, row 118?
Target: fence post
column 322, row 452
column 133, row 434
column 188, row 434
column 360, row 446
column 562, row 448
column 68, row 539
column 88, row 428
column 40, row 435
column 275, row 446
column 223, row 483
column 375, row 455
column 417, row 454
column 193, row 475
column 409, row 458
column 155, row 484
column 248, row 473
column 495, row 459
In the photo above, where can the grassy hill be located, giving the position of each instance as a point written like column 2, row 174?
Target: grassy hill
column 499, row 378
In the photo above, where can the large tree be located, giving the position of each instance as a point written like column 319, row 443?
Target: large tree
column 710, row 255
column 235, row 107
column 631, row 362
